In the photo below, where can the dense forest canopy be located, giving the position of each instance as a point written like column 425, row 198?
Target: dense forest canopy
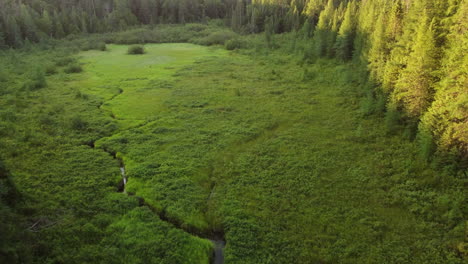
column 358, row 151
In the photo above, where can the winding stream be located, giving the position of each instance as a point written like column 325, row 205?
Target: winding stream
column 218, row 254
column 216, row 238
column 124, row 178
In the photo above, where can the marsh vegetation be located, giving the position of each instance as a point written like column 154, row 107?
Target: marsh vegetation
column 269, row 138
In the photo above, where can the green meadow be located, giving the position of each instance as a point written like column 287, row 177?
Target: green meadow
column 276, row 157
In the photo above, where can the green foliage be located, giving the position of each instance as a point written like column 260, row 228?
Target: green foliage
column 3, row 75
column 447, row 116
column 426, row 143
column 216, row 38
column 73, row 68
column 252, row 143
column 414, row 88
column 392, row 121
column 323, row 34
column 345, row 39
column 136, row 50
column 269, row 31
column 93, row 45
column 77, row 123
column 233, row 44
column 50, row 69
column 36, row 80
column 64, row 61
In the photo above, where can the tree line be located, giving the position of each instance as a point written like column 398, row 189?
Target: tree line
column 413, row 53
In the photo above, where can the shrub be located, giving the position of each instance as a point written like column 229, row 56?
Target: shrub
column 86, row 45
column 64, row 61
column 73, row 68
column 3, row 76
column 136, row 49
column 426, row 144
column 80, row 95
column 36, row 80
column 77, row 123
column 50, row 69
column 307, row 75
column 101, row 45
column 392, row 120
column 367, row 106
column 195, row 27
column 216, row 38
column 233, row 44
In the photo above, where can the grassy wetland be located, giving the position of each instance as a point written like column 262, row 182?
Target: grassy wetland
column 199, row 143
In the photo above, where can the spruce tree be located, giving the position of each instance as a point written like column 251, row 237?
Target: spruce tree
column 447, row 118
column 46, row 24
column 269, row 31
column 393, row 32
column 344, row 42
column 322, row 31
column 314, row 7
column 57, row 25
column 414, row 89
column 378, row 50
column 13, row 34
column 2, row 41
column 365, row 22
column 28, row 26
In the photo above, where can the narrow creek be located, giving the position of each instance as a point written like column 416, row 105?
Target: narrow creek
column 217, row 238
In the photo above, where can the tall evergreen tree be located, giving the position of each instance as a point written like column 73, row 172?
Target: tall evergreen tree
column 378, row 49
column 28, row 26
column 393, row 32
column 322, row 32
column 344, row 42
column 447, row 118
column 46, row 24
column 414, row 89
column 58, row 28
column 13, row 34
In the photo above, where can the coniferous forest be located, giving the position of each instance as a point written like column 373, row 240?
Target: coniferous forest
column 233, row 131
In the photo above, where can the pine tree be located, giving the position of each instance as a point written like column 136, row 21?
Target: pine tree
column 447, row 118
column 182, row 10
column 237, row 19
column 344, row 42
column 414, row 89
column 28, row 26
column 307, row 29
column 313, row 8
column 269, row 31
column 2, row 42
column 46, row 24
column 393, row 32
column 13, row 34
column 364, row 28
column 294, row 15
column 322, row 32
column 57, row 25
column 378, row 49
column 71, row 22
column 83, row 23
